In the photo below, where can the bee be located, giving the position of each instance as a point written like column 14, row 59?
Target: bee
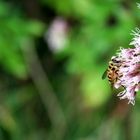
column 112, row 71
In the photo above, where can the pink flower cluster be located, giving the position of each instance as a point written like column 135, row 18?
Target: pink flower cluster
column 129, row 70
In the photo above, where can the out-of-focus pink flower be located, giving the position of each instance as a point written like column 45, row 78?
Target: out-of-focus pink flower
column 57, row 34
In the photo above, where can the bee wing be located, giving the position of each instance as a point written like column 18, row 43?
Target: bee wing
column 104, row 74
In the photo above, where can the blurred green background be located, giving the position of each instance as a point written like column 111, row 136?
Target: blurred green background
column 52, row 57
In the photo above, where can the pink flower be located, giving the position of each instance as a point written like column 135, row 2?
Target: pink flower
column 129, row 70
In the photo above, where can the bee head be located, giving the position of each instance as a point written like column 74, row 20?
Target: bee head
column 115, row 59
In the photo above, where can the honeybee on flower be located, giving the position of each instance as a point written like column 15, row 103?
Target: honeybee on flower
column 112, row 70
